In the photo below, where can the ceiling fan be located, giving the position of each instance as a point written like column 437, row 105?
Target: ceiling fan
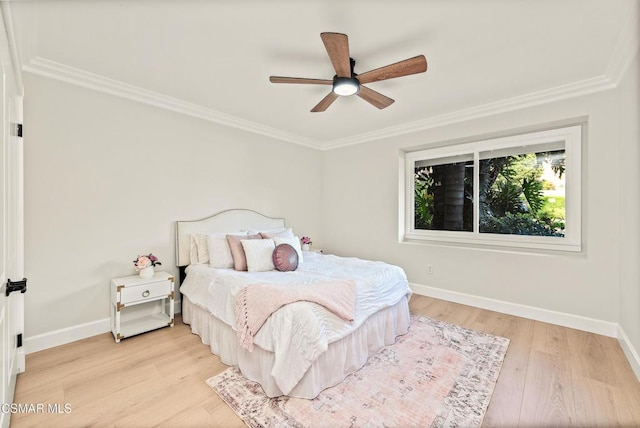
column 346, row 82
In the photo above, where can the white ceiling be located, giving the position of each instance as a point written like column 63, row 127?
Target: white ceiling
column 212, row 59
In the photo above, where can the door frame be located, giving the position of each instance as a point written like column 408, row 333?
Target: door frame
column 13, row 169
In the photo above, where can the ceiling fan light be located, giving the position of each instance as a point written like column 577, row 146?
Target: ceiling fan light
column 345, row 86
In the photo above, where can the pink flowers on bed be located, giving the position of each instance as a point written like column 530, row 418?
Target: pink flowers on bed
column 145, row 261
column 305, row 240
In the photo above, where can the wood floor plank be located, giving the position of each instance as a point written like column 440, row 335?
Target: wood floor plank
column 551, row 339
column 551, row 376
column 548, row 399
column 599, row 401
column 504, row 409
column 589, row 351
column 191, row 417
column 417, row 303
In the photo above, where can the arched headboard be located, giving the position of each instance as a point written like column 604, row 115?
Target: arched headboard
column 224, row 221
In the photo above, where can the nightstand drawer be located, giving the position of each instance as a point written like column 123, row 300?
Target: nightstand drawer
column 144, row 292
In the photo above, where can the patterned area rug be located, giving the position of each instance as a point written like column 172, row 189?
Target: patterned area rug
column 436, row 375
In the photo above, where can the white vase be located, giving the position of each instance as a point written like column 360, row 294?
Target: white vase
column 147, row 272
column 305, row 247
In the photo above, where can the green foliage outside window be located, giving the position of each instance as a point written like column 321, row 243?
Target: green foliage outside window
column 512, row 196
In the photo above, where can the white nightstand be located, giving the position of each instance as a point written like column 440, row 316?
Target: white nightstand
column 141, row 293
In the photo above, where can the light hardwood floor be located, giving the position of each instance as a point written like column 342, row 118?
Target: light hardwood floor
column 552, row 376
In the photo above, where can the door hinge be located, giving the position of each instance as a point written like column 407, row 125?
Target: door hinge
column 17, row 130
column 19, row 341
column 20, row 286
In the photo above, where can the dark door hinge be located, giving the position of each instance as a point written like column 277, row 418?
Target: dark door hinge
column 17, row 130
column 20, row 286
column 19, row 341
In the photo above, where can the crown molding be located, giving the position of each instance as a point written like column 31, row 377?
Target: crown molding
column 9, row 27
column 44, row 67
column 557, row 93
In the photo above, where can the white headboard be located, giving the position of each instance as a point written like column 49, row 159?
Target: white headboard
column 224, row 221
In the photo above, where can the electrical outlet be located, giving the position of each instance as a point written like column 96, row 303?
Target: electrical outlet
column 429, row 269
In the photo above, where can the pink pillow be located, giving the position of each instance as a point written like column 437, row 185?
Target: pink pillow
column 237, row 252
column 285, row 258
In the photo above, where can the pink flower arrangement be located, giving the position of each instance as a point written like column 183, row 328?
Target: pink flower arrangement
column 145, row 261
column 306, row 240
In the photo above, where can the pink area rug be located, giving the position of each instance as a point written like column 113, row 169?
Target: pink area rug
column 437, row 375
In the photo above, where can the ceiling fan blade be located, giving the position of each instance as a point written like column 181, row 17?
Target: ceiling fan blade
column 303, row 80
column 325, row 103
column 337, row 46
column 375, row 98
column 409, row 66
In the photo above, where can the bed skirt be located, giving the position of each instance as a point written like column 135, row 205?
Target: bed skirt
column 342, row 357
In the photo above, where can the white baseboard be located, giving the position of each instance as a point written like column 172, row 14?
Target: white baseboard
column 63, row 336
column 578, row 322
column 629, row 351
column 559, row 318
column 66, row 335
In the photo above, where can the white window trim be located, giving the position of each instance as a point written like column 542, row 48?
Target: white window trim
column 571, row 136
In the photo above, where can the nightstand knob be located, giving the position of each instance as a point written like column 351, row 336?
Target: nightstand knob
column 145, row 293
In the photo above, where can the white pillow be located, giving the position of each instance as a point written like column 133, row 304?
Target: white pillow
column 218, row 250
column 294, row 242
column 282, row 232
column 259, row 253
column 198, row 251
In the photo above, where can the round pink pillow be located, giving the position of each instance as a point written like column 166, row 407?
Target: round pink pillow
column 285, row 258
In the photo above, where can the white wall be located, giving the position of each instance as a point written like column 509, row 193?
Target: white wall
column 630, row 203
column 360, row 217
column 106, row 178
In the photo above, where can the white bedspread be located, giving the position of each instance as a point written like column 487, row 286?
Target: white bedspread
column 299, row 332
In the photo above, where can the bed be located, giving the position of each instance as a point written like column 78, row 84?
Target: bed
column 302, row 348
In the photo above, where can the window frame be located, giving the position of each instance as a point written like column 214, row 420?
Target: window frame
column 570, row 136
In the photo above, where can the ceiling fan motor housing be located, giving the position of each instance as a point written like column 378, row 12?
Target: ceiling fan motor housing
column 345, row 86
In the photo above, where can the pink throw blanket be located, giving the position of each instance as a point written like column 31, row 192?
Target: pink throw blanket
column 256, row 302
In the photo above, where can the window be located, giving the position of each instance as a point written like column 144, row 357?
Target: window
column 518, row 191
